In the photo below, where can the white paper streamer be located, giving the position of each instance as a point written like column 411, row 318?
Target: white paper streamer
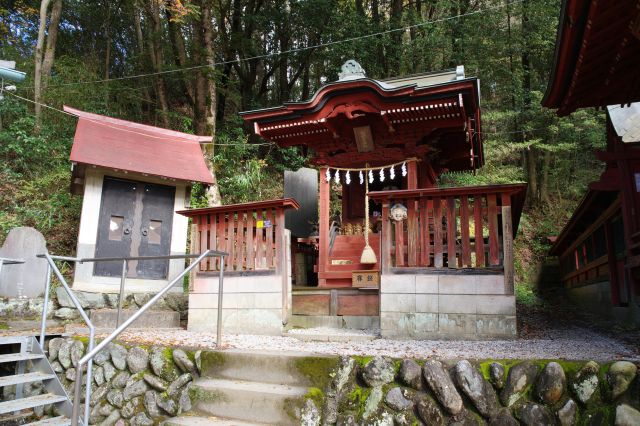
column 347, row 178
column 361, row 176
column 337, row 176
column 392, row 173
column 370, row 176
column 381, row 175
column 327, row 176
column 404, row 169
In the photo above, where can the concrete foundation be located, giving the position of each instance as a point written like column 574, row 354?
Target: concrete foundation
column 596, row 297
column 447, row 306
column 251, row 304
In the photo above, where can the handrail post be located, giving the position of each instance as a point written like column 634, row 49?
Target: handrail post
column 122, row 280
column 45, row 306
column 220, row 291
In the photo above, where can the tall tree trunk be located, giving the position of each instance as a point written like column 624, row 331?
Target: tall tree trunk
column 107, row 34
column 213, row 192
column 37, row 89
column 141, row 55
column 52, row 38
column 531, row 158
column 157, row 58
column 179, row 52
column 544, row 179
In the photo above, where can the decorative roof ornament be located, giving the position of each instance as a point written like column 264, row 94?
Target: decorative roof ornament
column 351, row 70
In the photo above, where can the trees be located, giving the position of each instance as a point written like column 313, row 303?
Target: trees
column 195, row 63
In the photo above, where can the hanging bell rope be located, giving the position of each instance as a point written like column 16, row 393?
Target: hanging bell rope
column 368, row 256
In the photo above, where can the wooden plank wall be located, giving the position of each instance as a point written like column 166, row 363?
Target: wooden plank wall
column 249, row 247
column 468, row 235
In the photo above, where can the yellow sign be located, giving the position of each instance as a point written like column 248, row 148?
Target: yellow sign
column 260, row 224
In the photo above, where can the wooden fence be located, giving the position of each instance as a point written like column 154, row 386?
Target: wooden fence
column 252, row 234
column 466, row 227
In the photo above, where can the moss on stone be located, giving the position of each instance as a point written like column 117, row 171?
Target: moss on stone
column 196, row 393
column 362, row 360
column 317, row 370
column 316, row 395
column 211, row 359
column 357, row 399
column 4, row 326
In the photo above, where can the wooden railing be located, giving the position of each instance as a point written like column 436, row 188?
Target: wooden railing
column 466, row 227
column 252, row 234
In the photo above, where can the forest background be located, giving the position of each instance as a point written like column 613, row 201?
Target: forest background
column 151, row 61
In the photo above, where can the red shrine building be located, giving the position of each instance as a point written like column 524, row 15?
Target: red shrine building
column 392, row 250
column 596, row 65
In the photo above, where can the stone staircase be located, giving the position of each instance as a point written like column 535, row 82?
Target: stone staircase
column 243, row 388
column 24, row 357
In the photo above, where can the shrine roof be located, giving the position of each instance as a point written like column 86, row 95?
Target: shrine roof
column 358, row 120
column 596, row 57
column 124, row 145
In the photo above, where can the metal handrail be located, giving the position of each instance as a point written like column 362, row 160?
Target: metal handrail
column 92, row 351
column 9, row 261
column 88, row 357
column 51, row 266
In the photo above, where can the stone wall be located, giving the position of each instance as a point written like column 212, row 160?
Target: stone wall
column 596, row 297
column 428, row 306
column 131, row 385
column 381, row 391
column 250, row 305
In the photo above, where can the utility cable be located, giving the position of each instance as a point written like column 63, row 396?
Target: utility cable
column 296, row 50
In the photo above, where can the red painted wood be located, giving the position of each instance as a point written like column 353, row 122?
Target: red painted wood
column 399, row 229
column 451, row 232
column 260, row 243
column 241, row 241
column 360, row 304
column 478, row 225
column 198, row 242
column 464, row 231
column 213, row 261
column 323, row 243
column 251, row 238
column 221, row 233
column 286, row 203
column 412, row 232
column 269, row 239
column 134, row 147
column 494, row 249
column 231, row 241
column 279, row 235
column 437, row 233
column 386, row 239
column 424, row 233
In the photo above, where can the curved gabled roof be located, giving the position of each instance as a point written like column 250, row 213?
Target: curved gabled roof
column 123, row 145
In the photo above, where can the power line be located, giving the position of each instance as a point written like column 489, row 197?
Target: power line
column 301, row 49
column 101, row 123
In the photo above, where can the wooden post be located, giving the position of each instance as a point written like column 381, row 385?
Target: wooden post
column 412, row 222
column 323, row 218
column 385, row 239
column 507, row 245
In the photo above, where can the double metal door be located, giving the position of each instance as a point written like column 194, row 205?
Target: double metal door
column 135, row 220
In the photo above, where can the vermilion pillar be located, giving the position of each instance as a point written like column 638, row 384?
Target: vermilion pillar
column 323, row 218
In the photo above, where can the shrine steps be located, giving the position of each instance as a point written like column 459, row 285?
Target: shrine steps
column 344, row 258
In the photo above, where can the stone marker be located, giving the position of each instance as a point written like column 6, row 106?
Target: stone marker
column 25, row 280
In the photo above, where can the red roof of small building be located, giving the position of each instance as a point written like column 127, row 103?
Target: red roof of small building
column 596, row 59
column 123, row 145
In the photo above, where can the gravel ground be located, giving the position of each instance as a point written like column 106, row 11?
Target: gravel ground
column 568, row 343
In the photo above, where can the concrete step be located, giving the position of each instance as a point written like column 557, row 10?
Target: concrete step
column 11, row 340
column 19, row 357
column 331, row 335
column 206, row 421
column 355, row 322
column 279, row 368
column 249, row 401
column 25, row 378
column 30, row 402
column 106, row 318
column 52, row 421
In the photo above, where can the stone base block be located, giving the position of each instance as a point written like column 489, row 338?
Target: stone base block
column 106, row 318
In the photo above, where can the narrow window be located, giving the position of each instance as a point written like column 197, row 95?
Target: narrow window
column 155, row 231
column 116, row 228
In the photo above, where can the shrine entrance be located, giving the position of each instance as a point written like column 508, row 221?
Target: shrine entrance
column 135, row 220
